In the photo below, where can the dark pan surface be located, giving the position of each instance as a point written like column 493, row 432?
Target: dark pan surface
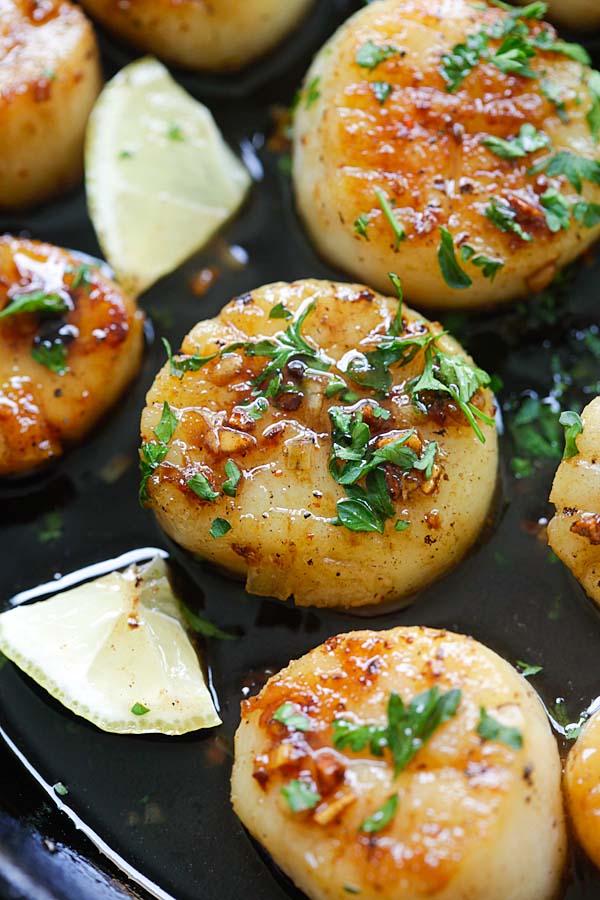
column 162, row 804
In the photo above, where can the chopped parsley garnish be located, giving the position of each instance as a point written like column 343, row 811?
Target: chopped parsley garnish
column 361, row 224
column 371, row 55
column 279, row 311
column 82, row 276
column 490, row 729
column 557, row 209
column 234, row 475
column 312, row 92
column 513, row 56
column 52, row 355
column 407, row 728
column 576, row 169
column 454, row 276
column 397, row 227
column 202, row 626
column 489, row 265
column 300, row 796
column 382, row 90
column 546, row 41
column 175, row 132
column 553, row 93
column 450, row 374
column 527, row 141
column 527, row 670
column 593, row 116
column 587, row 213
column 535, row 433
column 503, row 216
column 401, row 525
column 60, row 789
column 219, row 528
column 571, row 422
column 35, row 302
column 193, row 363
column 462, row 59
column 200, row 485
column 152, row 453
column 289, row 715
column 138, row 709
column 52, row 528
column 381, row 818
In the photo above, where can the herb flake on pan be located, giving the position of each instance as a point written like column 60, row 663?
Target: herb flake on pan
column 300, row 796
column 138, row 709
column 381, row 818
column 203, row 626
column 490, row 729
column 527, row 670
column 573, row 425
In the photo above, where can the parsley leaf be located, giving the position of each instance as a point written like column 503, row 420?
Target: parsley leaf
column 35, row 301
column 138, row 709
column 279, row 311
column 503, row 216
column 52, row 527
column 381, row 818
column 557, row 209
column 200, row 485
column 454, row 276
column 571, row 422
column 397, row 227
column 188, row 364
column 546, row 41
column 219, row 528
column 370, row 55
column 52, row 355
column 234, row 476
column 300, row 796
column 358, row 515
column 165, row 429
column 361, row 224
column 492, row 730
column 312, row 92
column 288, row 715
column 489, row 265
column 82, row 277
column 60, row 789
column 553, row 93
column 462, row 59
column 527, row 141
column 513, row 56
column 587, row 213
column 593, row 116
column 151, row 456
column 576, row 169
column 382, row 90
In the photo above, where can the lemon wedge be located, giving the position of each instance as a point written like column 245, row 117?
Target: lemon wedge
column 160, row 179
column 114, row 651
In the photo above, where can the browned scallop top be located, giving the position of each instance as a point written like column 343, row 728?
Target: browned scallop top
column 230, row 407
column 60, row 369
column 423, row 144
column 350, row 678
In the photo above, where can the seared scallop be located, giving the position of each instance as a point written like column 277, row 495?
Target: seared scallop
column 312, row 440
column 49, row 79
column 578, row 14
column 213, row 35
column 403, row 764
column 582, row 780
column 574, row 532
column 70, row 341
column 454, row 141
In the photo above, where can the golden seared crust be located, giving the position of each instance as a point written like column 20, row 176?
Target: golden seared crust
column 49, row 79
column 210, row 34
column 474, row 818
column 582, row 776
column 42, row 411
column 282, row 540
column 574, row 531
column 421, row 145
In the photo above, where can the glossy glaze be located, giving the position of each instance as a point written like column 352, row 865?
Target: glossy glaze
column 41, row 411
column 423, row 148
column 282, row 540
column 475, row 818
column 49, row 79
